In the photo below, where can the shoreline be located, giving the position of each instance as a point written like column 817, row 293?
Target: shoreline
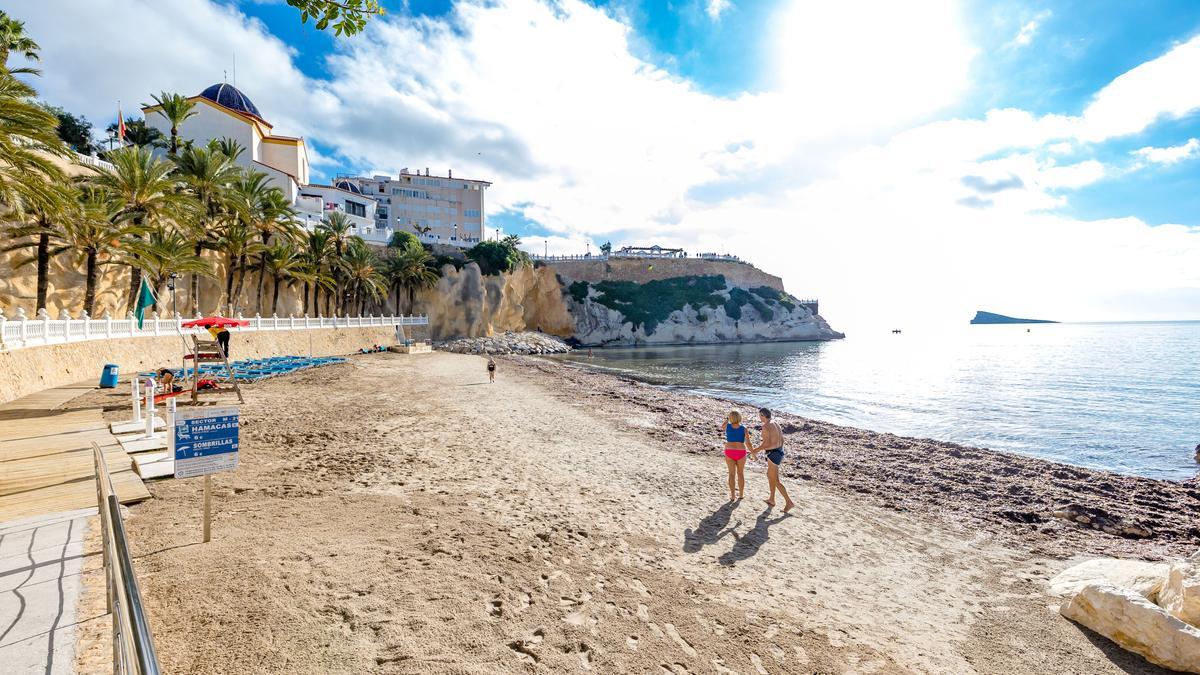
column 623, row 374
column 1015, row 496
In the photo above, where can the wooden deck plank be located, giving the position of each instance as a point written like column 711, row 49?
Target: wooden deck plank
column 46, row 462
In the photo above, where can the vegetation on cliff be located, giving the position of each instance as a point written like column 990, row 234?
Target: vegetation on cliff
column 648, row 304
column 496, row 257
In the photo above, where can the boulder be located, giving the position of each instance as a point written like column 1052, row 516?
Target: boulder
column 1134, row 623
column 1180, row 595
column 1145, row 578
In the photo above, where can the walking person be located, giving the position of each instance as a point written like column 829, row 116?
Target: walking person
column 736, row 446
column 491, row 370
column 772, row 444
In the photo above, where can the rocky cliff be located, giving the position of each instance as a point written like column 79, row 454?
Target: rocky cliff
column 464, row 303
column 605, row 309
column 688, row 309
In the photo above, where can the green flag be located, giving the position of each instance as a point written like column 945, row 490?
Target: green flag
column 145, row 299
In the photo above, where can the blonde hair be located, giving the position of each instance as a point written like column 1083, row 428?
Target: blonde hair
column 735, row 418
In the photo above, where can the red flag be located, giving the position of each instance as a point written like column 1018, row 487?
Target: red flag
column 120, row 124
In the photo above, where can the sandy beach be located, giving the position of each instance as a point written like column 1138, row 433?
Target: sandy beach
column 397, row 514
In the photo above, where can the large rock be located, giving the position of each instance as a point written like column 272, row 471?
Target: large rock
column 1145, row 578
column 1127, row 618
column 1180, row 595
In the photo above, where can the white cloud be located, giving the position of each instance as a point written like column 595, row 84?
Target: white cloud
column 1028, row 30
column 1169, row 155
column 715, row 8
column 834, row 179
column 1151, row 91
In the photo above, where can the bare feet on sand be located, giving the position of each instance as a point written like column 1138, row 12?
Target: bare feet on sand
column 788, row 507
column 769, row 503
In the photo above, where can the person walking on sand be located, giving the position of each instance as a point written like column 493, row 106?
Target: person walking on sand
column 491, row 370
column 772, row 444
column 736, row 446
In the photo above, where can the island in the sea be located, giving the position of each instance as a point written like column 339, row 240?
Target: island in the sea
column 982, row 317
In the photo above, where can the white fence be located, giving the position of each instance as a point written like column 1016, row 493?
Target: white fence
column 21, row 331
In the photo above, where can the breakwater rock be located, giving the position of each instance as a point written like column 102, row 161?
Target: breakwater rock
column 507, row 343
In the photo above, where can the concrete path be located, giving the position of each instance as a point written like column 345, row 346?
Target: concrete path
column 41, row 560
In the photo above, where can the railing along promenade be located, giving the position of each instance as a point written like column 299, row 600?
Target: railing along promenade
column 22, row 331
column 132, row 641
column 636, row 256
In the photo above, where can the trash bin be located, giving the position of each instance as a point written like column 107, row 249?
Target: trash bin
column 108, row 378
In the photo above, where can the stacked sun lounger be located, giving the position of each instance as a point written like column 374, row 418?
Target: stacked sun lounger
column 252, row 370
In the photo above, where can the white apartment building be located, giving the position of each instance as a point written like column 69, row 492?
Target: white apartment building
column 437, row 209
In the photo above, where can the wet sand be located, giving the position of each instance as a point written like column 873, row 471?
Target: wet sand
column 397, row 514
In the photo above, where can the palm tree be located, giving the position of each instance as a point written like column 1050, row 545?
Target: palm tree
column 226, row 146
column 277, row 218
column 13, row 38
column 142, row 189
column 91, row 234
column 339, row 227
column 363, row 280
column 176, row 109
column 208, row 176
column 164, row 251
column 411, row 269
column 318, row 255
column 285, row 264
column 238, row 242
column 28, row 139
column 42, row 234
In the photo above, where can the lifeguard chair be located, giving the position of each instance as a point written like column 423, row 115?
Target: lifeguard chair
column 210, row 352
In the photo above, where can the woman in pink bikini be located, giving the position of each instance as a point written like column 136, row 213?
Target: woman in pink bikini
column 736, row 446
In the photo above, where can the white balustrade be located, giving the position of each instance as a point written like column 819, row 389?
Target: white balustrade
column 19, row 330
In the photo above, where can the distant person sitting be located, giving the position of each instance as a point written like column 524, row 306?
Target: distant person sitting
column 221, row 335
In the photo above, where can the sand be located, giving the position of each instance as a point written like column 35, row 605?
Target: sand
column 397, row 514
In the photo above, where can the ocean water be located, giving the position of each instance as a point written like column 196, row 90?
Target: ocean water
column 1124, row 397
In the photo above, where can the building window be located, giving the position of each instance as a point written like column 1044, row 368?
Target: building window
column 356, row 209
column 471, row 213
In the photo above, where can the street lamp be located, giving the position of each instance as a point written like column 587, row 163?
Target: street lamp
column 171, row 285
column 546, row 248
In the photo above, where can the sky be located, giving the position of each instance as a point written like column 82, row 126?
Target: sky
column 906, row 163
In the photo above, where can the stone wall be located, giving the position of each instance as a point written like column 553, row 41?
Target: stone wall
column 643, row 270
column 29, row 370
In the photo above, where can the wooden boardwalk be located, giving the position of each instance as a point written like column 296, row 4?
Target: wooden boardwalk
column 46, row 455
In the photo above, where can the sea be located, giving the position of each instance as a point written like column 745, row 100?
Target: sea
column 1121, row 397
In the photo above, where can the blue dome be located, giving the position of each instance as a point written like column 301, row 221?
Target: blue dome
column 230, row 97
column 347, row 185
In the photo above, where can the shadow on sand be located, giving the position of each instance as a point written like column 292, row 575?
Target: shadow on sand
column 710, row 530
column 747, row 545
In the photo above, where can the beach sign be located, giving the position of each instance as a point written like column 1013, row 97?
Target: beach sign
column 205, row 441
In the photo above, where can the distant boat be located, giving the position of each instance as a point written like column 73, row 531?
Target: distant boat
column 895, row 331
column 991, row 318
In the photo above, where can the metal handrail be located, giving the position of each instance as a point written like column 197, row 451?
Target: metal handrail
column 133, row 643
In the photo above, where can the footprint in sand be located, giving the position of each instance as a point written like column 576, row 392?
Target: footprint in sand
column 632, row 642
column 683, row 644
column 496, row 607
column 643, row 612
column 524, row 652
column 674, row 669
column 756, row 661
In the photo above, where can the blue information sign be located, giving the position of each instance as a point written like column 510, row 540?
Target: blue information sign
column 204, row 441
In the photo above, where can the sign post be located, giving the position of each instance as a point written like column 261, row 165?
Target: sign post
column 204, row 441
